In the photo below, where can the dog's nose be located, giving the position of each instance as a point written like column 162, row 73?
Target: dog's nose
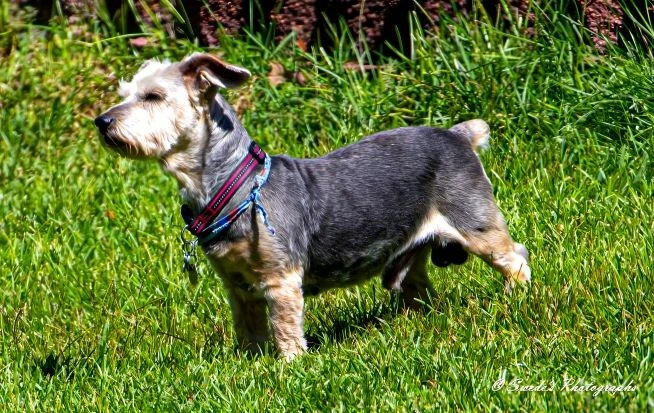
column 103, row 122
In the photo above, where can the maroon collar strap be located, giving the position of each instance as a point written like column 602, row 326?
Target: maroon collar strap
column 255, row 156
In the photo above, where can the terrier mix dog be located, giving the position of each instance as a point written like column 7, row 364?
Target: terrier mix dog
column 301, row 226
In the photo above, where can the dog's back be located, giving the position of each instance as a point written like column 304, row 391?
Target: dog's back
column 366, row 201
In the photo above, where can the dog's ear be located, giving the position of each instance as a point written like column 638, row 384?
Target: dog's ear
column 206, row 72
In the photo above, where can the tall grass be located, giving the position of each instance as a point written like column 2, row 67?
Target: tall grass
column 95, row 313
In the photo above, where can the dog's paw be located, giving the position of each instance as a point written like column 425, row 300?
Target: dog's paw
column 520, row 276
column 293, row 350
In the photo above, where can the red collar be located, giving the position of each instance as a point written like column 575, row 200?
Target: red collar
column 256, row 156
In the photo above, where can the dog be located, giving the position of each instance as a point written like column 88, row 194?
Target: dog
column 382, row 206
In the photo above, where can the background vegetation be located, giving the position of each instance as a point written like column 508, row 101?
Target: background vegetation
column 96, row 315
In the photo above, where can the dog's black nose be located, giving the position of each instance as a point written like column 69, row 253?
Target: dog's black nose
column 103, row 122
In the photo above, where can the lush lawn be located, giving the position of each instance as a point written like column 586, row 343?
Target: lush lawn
column 95, row 313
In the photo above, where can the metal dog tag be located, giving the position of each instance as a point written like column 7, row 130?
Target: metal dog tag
column 190, row 268
column 190, row 258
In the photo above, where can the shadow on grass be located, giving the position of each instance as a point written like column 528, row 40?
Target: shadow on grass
column 54, row 364
column 344, row 323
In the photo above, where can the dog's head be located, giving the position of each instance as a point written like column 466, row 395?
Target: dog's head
column 165, row 105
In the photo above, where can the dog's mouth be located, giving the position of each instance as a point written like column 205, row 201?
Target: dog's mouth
column 113, row 143
column 119, row 146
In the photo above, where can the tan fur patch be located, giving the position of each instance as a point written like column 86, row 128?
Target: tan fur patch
column 286, row 305
column 496, row 248
column 257, row 267
column 257, row 258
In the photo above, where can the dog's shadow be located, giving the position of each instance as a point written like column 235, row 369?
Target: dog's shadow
column 340, row 324
column 345, row 323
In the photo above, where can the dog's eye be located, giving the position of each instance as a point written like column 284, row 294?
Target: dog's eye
column 153, row 97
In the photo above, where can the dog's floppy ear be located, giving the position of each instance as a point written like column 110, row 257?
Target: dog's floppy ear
column 205, row 71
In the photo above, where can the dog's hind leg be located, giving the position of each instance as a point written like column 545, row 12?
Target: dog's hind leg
column 493, row 244
column 469, row 208
column 407, row 275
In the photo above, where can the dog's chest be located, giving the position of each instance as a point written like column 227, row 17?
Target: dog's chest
column 249, row 264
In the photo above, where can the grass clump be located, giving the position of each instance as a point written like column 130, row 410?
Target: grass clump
column 95, row 313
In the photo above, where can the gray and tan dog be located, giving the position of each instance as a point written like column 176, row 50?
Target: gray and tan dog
column 378, row 206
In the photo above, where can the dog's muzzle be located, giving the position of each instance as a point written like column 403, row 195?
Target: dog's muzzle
column 104, row 122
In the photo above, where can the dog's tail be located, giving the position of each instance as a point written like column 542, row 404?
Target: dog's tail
column 476, row 131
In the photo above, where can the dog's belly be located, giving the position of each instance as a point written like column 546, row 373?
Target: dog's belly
column 323, row 279
column 344, row 267
column 345, row 270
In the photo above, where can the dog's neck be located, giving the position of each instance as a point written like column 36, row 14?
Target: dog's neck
column 201, row 165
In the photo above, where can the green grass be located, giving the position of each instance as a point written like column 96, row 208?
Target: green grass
column 96, row 315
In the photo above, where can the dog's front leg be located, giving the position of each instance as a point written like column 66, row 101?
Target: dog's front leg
column 250, row 321
column 286, row 305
